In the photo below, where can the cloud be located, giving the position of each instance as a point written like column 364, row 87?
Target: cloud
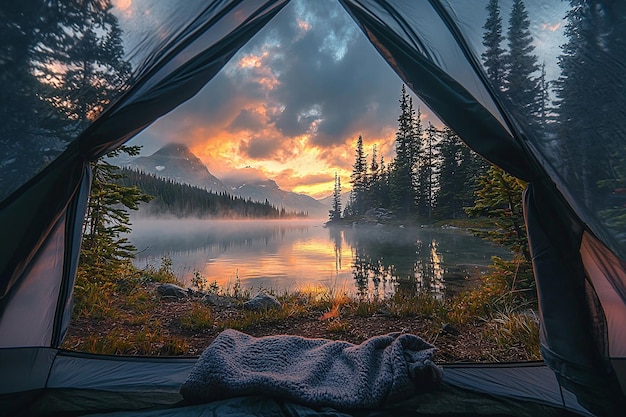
column 123, row 5
column 551, row 27
column 247, row 119
column 292, row 102
column 260, row 148
column 291, row 176
column 247, row 174
column 341, row 76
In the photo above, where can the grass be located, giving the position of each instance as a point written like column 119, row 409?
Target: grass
column 94, row 300
column 199, row 318
column 497, row 306
column 519, row 329
column 147, row 341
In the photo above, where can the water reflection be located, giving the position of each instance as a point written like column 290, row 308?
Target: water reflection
column 291, row 255
column 410, row 260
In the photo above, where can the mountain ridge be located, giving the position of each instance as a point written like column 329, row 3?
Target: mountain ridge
column 176, row 161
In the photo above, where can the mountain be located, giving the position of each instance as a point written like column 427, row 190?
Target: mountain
column 267, row 189
column 175, row 161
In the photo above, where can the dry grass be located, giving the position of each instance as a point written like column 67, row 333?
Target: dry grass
column 130, row 318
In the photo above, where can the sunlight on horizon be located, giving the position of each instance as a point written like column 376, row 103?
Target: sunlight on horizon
column 289, row 104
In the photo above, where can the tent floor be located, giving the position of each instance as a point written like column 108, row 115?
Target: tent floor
column 63, row 383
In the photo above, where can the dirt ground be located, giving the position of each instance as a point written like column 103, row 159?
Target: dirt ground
column 466, row 344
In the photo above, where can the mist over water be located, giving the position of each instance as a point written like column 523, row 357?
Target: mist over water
column 300, row 254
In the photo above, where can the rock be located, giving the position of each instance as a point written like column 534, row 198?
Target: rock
column 262, row 301
column 171, row 290
column 220, row 300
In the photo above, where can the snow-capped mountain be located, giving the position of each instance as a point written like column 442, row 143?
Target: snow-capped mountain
column 262, row 189
column 175, row 161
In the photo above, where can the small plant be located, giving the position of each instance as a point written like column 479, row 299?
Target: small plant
column 213, row 288
column 332, row 314
column 237, row 285
column 199, row 281
column 163, row 274
column 199, row 318
column 519, row 329
column 94, row 299
column 140, row 301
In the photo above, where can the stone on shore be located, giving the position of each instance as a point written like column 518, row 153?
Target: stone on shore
column 220, row 300
column 171, row 290
column 262, row 301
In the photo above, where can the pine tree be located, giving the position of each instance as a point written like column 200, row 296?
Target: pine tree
column 590, row 101
column 402, row 176
column 374, row 197
column 335, row 212
column 493, row 57
column 383, row 187
column 94, row 71
column 499, row 198
column 427, row 171
column 29, row 135
column 450, row 181
column 471, row 168
column 521, row 86
column 543, row 102
column 359, row 180
column 104, row 251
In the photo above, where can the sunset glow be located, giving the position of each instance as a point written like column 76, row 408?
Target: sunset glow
column 291, row 105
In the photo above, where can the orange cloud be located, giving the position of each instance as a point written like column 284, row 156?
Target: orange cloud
column 304, row 25
column 258, row 68
column 241, row 139
column 551, row 28
column 123, row 5
column 252, row 61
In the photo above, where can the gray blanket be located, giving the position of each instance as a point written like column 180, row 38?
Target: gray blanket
column 314, row 372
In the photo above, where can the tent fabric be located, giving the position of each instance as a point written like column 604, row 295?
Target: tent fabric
column 574, row 221
column 72, row 383
column 444, row 94
column 570, row 350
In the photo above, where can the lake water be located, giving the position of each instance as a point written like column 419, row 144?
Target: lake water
column 304, row 255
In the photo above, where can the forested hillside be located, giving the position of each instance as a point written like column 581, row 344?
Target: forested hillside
column 184, row 200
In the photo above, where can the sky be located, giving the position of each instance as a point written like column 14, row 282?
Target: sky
column 293, row 101
column 291, row 104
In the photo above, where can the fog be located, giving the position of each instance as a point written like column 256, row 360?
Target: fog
column 295, row 254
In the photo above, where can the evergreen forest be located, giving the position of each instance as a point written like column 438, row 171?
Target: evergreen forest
column 184, row 200
column 61, row 70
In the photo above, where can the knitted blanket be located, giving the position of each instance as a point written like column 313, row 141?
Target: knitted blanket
column 313, row 372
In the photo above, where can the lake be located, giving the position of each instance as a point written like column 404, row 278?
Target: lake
column 304, row 255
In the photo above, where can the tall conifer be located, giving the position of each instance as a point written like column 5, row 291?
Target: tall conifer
column 493, row 57
column 427, row 173
column 590, row 100
column 402, row 175
column 522, row 86
column 359, row 179
column 335, row 212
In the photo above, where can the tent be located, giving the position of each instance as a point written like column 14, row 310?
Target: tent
column 572, row 158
